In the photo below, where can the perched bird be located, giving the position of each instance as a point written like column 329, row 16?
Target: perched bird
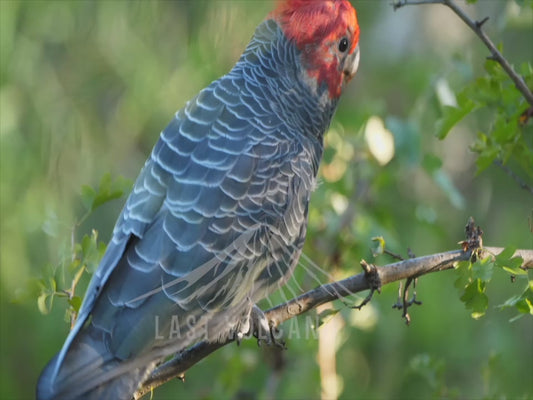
column 217, row 217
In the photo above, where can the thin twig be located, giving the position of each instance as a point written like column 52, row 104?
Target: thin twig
column 476, row 27
column 413, row 267
column 511, row 173
column 393, row 255
column 403, row 303
column 401, row 3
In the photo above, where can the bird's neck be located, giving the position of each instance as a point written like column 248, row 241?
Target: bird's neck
column 271, row 64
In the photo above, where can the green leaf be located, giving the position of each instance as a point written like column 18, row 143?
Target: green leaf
column 463, row 274
column 508, row 263
column 525, row 306
column 44, row 302
column 486, row 158
column 53, row 284
column 41, row 304
column 75, row 302
column 91, row 251
column 504, row 130
column 495, row 70
column 522, row 302
column 526, row 69
column 48, row 289
column 482, row 269
column 481, row 143
column 380, row 246
column 475, row 298
column 452, row 115
column 513, row 267
column 483, row 90
column 108, row 190
column 88, row 195
column 105, row 192
column 505, row 255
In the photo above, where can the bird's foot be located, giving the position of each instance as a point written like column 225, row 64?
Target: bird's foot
column 256, row 324
column 264, row 330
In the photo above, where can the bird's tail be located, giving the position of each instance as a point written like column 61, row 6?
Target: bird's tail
column 88, row 371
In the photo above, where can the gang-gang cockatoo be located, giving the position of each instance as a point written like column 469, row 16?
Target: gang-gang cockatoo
column 217, row 217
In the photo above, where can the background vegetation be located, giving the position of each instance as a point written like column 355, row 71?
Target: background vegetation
column 85, row 88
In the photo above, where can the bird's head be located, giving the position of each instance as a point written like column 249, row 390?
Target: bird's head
column 326, row 33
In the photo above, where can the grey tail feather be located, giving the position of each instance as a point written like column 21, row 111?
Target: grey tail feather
column 86, row 372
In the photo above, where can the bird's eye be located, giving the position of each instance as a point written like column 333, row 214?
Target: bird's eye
column 343, row 45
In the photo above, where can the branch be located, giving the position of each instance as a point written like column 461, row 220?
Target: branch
column 513, row 175
column 476, row 27
column 407, row 269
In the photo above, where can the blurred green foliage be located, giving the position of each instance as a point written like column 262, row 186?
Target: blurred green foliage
column 85, row 87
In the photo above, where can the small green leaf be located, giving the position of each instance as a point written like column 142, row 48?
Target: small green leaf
column 525, row 306
column 482, row 269
column 481, row 143
column 505, row 255
column 475, row 298
column 526, row 69
column 87, row 243
column 91, row 251
column 496, row 74
column 463, row 272
column 75, row 302
column 508, row 263
column 41, row 303
column 380, row 246
column 486, row 158
column 483, row 90
column 504, row 130
column 110, row 190
column 74, row 264
column 44, row 302
column 53, row 284
column 88, row 194
column 513, row 267
column 522, row 302
column 452, row 115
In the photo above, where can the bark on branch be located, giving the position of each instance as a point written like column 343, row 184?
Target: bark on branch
column 411, row 268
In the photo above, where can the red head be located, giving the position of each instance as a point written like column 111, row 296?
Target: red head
column 327, row 34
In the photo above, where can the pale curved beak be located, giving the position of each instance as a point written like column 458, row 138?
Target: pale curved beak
column 352, row 63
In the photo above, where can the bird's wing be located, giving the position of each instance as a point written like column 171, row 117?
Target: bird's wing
column 229, row 184
column 217, row 188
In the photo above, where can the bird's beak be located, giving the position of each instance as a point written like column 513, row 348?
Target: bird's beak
column 351, row 65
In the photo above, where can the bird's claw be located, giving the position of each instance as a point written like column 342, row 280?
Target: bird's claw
column 256, row 324
column 264, row 330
